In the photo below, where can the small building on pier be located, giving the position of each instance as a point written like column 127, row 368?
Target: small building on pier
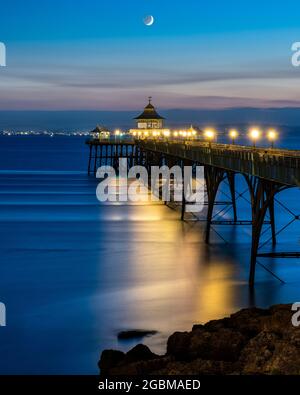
column 149, row 123
column 100, row 132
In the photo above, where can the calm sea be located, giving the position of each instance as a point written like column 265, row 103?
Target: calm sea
column 74, row 272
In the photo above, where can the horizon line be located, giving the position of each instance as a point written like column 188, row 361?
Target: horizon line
column 160, row 108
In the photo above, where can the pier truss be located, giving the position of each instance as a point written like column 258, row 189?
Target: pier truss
column 267, row 172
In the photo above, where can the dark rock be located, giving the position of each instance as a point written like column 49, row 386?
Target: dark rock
column 141, row 367
column 267, row 353
column 222, row 345
column 215, row 325
column 130, row 363
column 280, row 307
column 249, row 321
column 178, row 344
column 139, row 353
column 197, row 327
column 251, row 341
column 135, row 333
column 197, row 367
column 109, row 359
column 280, row 320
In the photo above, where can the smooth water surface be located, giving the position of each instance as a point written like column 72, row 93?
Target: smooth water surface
column 74, row 272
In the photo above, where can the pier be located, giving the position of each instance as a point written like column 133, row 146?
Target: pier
column 267, row 172
column 107, row 153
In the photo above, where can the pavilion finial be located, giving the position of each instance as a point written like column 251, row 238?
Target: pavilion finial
column 150, row 99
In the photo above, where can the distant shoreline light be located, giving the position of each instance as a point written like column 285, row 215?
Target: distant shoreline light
column 43, row 133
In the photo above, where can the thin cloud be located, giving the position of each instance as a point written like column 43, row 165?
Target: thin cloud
column 93, row 78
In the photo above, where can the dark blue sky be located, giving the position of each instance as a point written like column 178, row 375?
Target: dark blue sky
column 97, row 54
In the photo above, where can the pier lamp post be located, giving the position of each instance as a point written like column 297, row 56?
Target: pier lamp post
column 117, row 134
column 175, row 134
column 166, row 133
column 233, row 134
column 254, row 135
column 272, row 136
column 155, row 134
column 209, row 134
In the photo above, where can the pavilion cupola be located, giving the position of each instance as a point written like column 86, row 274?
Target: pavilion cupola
column 150, row 119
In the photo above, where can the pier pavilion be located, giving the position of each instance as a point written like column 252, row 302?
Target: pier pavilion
column 100, row 132
column 149, row 123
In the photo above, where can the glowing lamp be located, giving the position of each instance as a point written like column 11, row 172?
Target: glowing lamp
column 272, row 136
column 209, row 134
column 233, row 134
column 254, row 135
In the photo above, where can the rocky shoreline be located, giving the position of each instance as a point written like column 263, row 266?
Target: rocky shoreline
column 251, row 341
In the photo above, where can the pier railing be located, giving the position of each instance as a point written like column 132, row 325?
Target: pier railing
column 278, row 165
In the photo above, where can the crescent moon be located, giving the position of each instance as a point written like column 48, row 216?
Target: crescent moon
column 149, row 20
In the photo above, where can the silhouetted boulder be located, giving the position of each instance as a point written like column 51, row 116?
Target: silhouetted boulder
column 251, row 341
column 249, row 321
column 110, row 359
column 139, row 353
column 222, row 345
column 216, row 325
column 196, row 367
column 268, row 353
column 179, row 344
column 130, row 363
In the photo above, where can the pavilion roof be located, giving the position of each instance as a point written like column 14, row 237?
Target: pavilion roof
column 149, row 112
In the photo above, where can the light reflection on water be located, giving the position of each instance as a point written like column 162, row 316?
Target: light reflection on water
column 74, row 273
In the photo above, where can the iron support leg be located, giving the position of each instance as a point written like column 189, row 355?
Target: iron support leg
column 90, row 160
column 231, row 182
column 213, row 176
